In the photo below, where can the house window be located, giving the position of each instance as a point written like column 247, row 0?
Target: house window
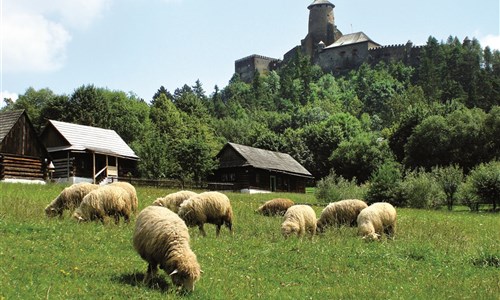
column 355, row 52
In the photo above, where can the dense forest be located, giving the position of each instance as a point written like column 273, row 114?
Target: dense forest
column 444, row 113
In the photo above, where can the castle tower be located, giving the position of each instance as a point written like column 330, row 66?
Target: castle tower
column 321, row 26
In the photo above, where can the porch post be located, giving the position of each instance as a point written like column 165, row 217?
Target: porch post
column 67, row 166
column 93, row 167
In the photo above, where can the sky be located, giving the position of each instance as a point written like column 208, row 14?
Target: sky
column 138, row 46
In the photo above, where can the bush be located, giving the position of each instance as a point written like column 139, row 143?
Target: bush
column 421, row 190
column 385, row 185
column 334, row 188
column 483, row 183
column 468, row 197
column 450, row 178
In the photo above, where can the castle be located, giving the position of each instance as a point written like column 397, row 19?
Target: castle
column 328, row 48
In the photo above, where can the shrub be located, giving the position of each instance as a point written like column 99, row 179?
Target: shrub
column 450, row 179
column 483, row 183
column 421, row 190
column 334, row 188
column 467, row 196
column 385, row 184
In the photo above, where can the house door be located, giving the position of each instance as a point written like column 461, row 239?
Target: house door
column 273, row 183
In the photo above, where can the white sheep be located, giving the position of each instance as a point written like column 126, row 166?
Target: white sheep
column 344, row 212
column 298, row 220
column 376, row 219
column 208, row 207
column 131, row 192
column 174, row 200
column 161, row 238
column 70, row 198
column 274, row 207
column 105, row 201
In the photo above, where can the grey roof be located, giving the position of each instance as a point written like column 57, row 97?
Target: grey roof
column 270, row 160
column 88, row 138
column 7, row 120
column 320, row 2
column 351, row 38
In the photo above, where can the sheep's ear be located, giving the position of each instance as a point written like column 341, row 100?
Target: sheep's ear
column 173, row 272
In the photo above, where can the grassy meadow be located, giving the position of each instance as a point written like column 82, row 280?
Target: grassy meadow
column 435, row 255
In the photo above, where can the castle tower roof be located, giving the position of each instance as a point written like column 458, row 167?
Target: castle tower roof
column 320, row 2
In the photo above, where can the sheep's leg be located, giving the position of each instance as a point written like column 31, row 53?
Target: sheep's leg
column 389, row 231
column 217, row 229
column 229, row 226
column 151, row 272
column 312, row 231
column 202, row 230
column 117, row 218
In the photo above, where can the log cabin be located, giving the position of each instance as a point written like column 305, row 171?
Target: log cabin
column 253, row 170
column 85, row 153
column 23, row 157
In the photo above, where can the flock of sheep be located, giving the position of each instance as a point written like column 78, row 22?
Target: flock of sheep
column 161, row 235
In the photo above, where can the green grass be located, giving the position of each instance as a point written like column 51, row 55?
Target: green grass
column 436, row 255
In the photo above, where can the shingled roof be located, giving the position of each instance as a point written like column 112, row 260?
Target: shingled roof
column 7, row 121
column 268, row 160
column 352, row 38
column 94, row 139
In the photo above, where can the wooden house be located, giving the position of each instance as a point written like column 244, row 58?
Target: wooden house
column 86, row 153
column 250, row 169
column 23, row 156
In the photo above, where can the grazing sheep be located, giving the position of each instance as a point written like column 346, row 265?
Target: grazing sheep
column 130, row 189
column 275, row 207
column 299, row 219
column 344, row 212
column 207, row 207
column 173, row 201
column 107, row 200
column 376, row 219
column 162, row 238
column 70, row 198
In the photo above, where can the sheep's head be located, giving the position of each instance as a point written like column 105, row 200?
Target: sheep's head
column 370, row 237
column 77, row 215
column 186, row 280
column 320, row 226
column 51, row 211
column 289, row 228
column 158, row 202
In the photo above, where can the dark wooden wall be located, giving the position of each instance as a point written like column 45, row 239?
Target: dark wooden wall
column 21, row 167
column 23, row 140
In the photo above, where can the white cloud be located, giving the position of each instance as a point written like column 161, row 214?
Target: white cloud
column 33, row 43
column 78, row 13
column 493, row 41
column 36, row 34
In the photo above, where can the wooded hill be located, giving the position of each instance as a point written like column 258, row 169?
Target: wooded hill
column 445, row 112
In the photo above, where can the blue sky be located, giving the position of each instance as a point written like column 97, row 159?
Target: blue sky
column 139, row 45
